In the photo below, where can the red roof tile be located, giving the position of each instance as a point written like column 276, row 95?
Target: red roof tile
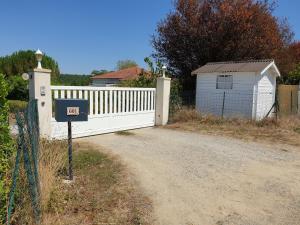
column 125, row 74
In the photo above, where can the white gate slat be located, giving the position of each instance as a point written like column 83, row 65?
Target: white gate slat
column 86, row 95
column 91, row 103
column 149, row 100
column 146, row 101
column 119, row 101
column 127, row 101
column 130, row 101
column 134, row 101
column 152, row 100
column 105, row 102
column 80, row 94
column 62, row 94
column 142, row 101
column 55, row 94
column 123, row 101
column 68, row 94
column 115, row 101
column 110, row 102
column 96, row 103
column 138, row 100
column 101, row 102
column 74, row 94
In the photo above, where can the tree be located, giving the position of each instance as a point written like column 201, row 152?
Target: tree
column 201, row 31
column 294, row 76
column 127, row 63
column 24, row 61
column 6, row 147
column 98, row 72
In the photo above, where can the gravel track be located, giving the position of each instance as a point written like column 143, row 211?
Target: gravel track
column 203, row 179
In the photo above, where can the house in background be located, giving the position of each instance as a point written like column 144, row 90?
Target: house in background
column 237, row 89
column 113, row 78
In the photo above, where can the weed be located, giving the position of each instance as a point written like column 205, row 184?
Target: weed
column 284, row 130
column 124, row 133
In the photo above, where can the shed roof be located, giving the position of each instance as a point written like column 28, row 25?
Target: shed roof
column 128, row 73
column 237, row 66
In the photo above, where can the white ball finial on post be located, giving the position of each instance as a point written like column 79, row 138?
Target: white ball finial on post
column 39, row 57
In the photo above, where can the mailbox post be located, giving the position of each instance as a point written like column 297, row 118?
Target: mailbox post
column 71, row 110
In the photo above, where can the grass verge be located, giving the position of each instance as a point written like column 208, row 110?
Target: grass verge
column 101, row 194
column 284, row 131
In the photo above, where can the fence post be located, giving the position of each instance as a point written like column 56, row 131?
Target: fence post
column 163, row 87
column 40, row 89
column 223, row 104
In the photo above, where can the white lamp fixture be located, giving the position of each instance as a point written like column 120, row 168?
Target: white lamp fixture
column 25, row 76
column 39, row 57
column 164, row 68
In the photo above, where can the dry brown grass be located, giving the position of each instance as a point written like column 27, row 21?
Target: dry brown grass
column 103, row 193
column 286, row 130
column 52, row 158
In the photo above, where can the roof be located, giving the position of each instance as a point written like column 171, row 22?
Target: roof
column 125, row 74
column 238, row 66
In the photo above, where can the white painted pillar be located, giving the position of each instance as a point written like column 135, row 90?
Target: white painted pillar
column 40, row 89
column 163, row 87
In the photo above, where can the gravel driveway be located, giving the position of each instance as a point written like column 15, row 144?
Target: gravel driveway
column 202, row 180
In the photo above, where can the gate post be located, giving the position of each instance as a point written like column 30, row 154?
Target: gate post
column 163, row 87
column 40, row 89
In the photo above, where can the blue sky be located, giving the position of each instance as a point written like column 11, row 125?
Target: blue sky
column 93, row 34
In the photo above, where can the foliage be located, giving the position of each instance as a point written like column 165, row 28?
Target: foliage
column 148, row 80
column 197, row 32
column 6, row 149
column 18, row 88
column 288, row 61
column 16, row 106
column 127, row 63
column 24, row 61
column 294, row 76
column 71, row 80
column 98, row 72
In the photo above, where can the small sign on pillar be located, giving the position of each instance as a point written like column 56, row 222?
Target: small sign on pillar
column 71, row 110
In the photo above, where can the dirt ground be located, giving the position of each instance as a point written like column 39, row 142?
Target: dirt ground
column 196, row 179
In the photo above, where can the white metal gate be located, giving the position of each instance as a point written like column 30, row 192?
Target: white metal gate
column 110, row 109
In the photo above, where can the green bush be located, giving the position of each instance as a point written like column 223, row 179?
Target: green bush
column 16, row 105
column 148, row 80
column 18, row 88
column 6, row 147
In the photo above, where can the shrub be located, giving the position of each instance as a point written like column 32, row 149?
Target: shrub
column 18, row 88
column 16, row 106
column 6, row 148
column 148, row 80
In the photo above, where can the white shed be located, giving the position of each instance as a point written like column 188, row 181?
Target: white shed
column 237, row 89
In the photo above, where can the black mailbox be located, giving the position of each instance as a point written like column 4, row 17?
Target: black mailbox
column 71, row 110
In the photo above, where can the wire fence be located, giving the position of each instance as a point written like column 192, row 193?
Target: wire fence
column 236, row 104
column 27, row 150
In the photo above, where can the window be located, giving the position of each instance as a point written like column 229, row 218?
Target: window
column 224, row 82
